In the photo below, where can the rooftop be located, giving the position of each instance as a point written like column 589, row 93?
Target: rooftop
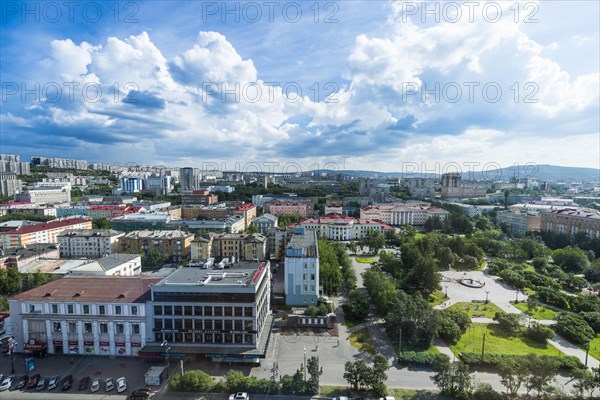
column 575, row 213
column 303, row 243
column 89, row 233
column 243, row 276
column 47, row 225
column 245, row 207
column 127, row 289
column 267, row 216
column 33, row 250
column 147, row 234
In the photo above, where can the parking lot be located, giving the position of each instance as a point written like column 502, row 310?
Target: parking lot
column 95, row 367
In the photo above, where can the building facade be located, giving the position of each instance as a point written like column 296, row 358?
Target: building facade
column 570, row 222
column 265, row 222
column 9, row 184
column 288, row 208
column 402, row 214
column 93, row 243
column 238, row 246
column 46, row 194
column 175, row 245
column 222, row 315
column 131, row 185
column 42, row 233
column 520, row 222
column 339, row 227
column 301, row 279
column 83, row 315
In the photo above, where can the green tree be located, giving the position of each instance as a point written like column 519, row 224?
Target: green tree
column 357, row 374
column 571, row 259
column 252, row 229
column 374, row 240
column 538, row 332
column 542, row 372
column 574, row 328
column 357, row 306
column 100, row 223
column 312, row 366
column 513, row 376
column 508, row 322
column 152, row 259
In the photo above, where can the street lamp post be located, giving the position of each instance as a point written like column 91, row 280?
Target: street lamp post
column 305, row 363
column 517, row 299
column 446, row 291
column 165, row 343
column 11, row 348
column 487, row 292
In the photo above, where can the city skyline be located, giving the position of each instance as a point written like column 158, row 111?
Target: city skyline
column 187, row 83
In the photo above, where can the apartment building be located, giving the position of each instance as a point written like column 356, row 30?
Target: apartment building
column 158, row 185
column 12, row 163
column 131, row 185
column 339, row 227
column 288, row 208
column 453, row 187
column 420, row 188
column 56, row 162
column 9, row 184
column 93, row 243
column 42, row 233
column 233, row 224
column 83, row 315
column 174, row 245
column 238, row 246
column 301, row 279
column 520, row 222
column 220, row 315
column 189, row 179
column 220, row 211
column 570, row 222
column 55, row 194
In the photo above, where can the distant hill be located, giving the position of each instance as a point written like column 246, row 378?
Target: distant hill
column 542, row 172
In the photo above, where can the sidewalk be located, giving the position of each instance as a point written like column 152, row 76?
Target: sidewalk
column 571, row 350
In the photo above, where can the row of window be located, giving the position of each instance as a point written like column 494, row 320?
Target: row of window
column 87, row 309
column 88, row 327
column 197, row 324
column 204, row 338
column 226, row 311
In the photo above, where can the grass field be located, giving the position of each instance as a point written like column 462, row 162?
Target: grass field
column 488, row 310
column 436, row 298
column 365, row 260
column 594, row 348
column 538, row 312
column 362, row 341
column 497, row 342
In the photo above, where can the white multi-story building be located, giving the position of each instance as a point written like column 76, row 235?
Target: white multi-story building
column 520, row 222
column 12, row 163
column 88, row 242
column 301, row 280
column 9, row 184
column 159, row 184
column 339, row 227
column 55, row 162
column 402, row 214
column 55, row 194
column 83, row 315
column 265, row 222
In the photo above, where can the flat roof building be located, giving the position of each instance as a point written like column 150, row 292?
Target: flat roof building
column 301, row 277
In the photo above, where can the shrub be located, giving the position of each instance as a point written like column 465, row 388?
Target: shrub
column 509, row 323
column 193, row 381
column 499, row 360
column 574, row 328
column 449, row 330
column 460, row 317
column 593, row 320
column 553, row 297
column 419, row 358
column 484, row 391
column 357, row 306
column 538, row 332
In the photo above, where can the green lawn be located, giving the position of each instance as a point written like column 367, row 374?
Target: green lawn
column 488, row 310
column 436, row 298
column 365, row 260
column 362, row 341
column 595, row 348
column 399, row 394
column 496, row 342
column 538, row 312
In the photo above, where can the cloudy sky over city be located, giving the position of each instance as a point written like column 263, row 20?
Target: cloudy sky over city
column 364, row 85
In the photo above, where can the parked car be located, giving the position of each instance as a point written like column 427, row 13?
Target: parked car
column 95, row 385
column 66, row 383
column 140, row 394
column 109, row 385
column 84, row 383
column 53, row 383
column 239, row 396
column 121, row 384
column 33, row 381
column 387, row 398
column 6, row 382
column 340, row 398
column 42, row 384
column 21, row 382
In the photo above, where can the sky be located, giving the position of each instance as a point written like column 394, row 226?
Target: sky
column 373, row 85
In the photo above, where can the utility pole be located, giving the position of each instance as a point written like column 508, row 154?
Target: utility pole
column 400, row 344
column 587, row 350
column 181, row 363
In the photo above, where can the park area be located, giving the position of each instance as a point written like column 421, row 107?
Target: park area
column 477, row 310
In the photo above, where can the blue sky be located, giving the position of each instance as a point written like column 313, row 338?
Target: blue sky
column 383, row 83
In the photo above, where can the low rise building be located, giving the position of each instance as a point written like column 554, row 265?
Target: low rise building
column 287, row 208
column 83, row 315
column 173, row 244
column 46, row 195
column 238, row 246
column 520, row 222
column 88, row 242
column 301, row 279
column 339, row 227
column 18, row 257
column 220, row 315
column 570, row 222
column 198, row 198
column 42, row 233
column 141, row 221
column 117, row 264
column 265, row 222
column 16, row 224
column 233, row 224
column 402, row 214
